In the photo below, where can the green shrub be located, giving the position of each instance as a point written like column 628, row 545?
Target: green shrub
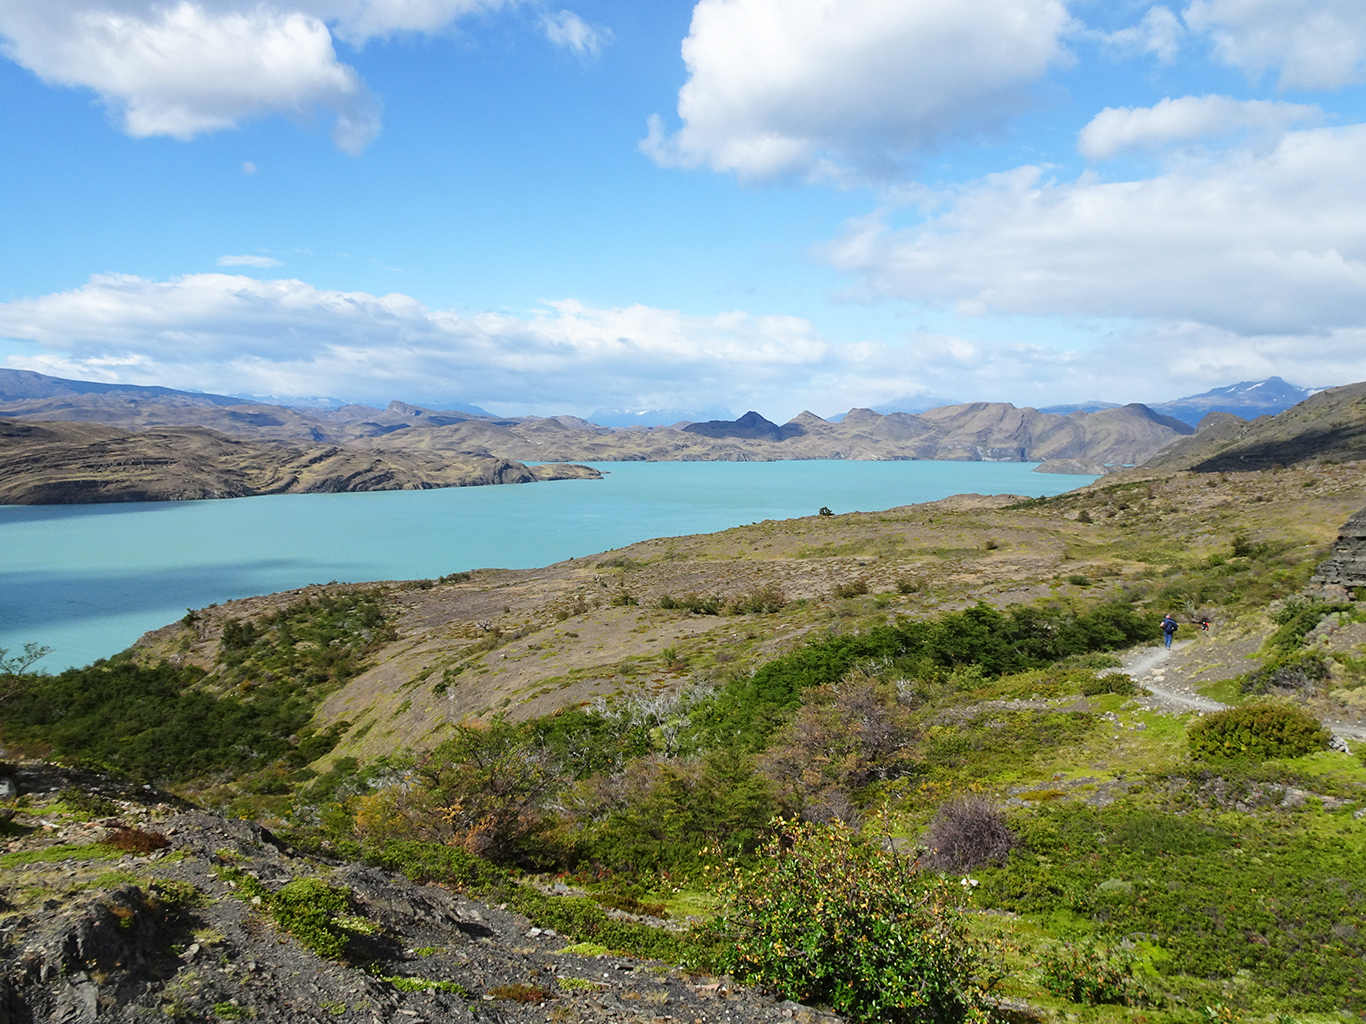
column 1295, row 618
column 853, row 588
column 830, row 918
column 695, row 603
column 1114, row 682
column 750, row 707
column 1302, row 670
column 760, row 600
column 307, row 908
column 178, row 723
column 1091, row 975
column 1258, row 732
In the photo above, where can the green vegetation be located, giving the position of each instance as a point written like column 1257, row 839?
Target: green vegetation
column 1216, row 891
column 1091, row 975
column 1126, row 858
column 759, row 600
column 829, row 917
column 169, row 723
column 1257, row 731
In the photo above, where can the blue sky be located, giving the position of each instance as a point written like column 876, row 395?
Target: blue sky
column 728, row 204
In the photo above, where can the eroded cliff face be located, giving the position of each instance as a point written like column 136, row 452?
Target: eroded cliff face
column 78, row 463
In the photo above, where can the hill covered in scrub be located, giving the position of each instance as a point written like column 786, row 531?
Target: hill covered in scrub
column 55, row 463
column 837, row 734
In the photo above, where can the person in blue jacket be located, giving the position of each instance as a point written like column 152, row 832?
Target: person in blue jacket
column 1168, row 629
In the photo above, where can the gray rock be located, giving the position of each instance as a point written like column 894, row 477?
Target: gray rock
column 1346, row 564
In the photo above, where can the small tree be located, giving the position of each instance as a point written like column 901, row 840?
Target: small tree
column 487, row 783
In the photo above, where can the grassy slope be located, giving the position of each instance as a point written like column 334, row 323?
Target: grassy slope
column 1095, row 784
column 527, row 642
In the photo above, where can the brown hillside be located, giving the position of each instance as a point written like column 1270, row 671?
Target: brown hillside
column 76, row 463
column 1330, row 425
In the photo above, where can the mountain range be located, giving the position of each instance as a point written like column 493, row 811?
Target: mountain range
column 99, row 432
column 1247, row 399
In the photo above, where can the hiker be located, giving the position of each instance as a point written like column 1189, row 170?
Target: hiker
column 1168, row 629
column 1204, row 624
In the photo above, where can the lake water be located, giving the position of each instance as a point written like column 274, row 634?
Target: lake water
column 88, row 580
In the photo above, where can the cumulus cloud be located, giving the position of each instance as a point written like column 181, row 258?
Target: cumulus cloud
column 1253, row 244
column 247, row 261
column 359, row 20
column 1312, row 44
column 186, row 69
column 1159, row 33
column 1117, row 130
column 229, row 333
column 285, row 337
column 194, row 66
column 567, row 29
column 814, row 88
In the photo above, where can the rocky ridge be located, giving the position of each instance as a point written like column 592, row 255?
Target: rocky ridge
column 57, row 463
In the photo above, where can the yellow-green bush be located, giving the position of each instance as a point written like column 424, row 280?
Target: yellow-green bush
column 1257, row 732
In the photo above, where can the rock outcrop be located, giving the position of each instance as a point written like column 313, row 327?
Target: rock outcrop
column 80, row 463
column 1346, row 564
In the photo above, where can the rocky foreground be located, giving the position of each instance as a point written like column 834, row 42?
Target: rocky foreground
column 89, row 931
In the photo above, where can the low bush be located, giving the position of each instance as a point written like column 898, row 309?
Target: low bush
column 1091, row 975
column 1257, row 732
column 307, row 908
column 760, row 600
column 828, row 917
column 1113, row 682
column 1295, row 618
column 135, row 840
column 852, row 588
column 1301, row 671
column 968, row 833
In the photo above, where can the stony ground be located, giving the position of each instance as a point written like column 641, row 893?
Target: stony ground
column 88, row 932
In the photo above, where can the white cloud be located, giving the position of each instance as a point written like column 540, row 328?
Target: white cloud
column 1159, row 33
column 1190, row 118
column 248, row 168
column 1313, row 44
column 567, row 29
column 1254, row 244
column 228, row 333
column 819, row 88
column 247, row 261
column 184, row 69
column 359, row 20
column 284, row 337
column 188, row 67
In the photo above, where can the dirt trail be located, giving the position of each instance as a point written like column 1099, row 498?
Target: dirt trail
column 1150, row 669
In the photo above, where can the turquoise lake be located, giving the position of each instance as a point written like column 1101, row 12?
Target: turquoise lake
column 88, row 580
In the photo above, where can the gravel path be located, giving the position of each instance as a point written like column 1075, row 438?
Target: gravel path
column 1172, row 693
